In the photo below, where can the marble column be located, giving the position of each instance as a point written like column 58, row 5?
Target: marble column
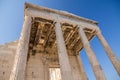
column 65, row 68
column 18, row 71
column 111, row 55
column 91, row 56
column 84, row 77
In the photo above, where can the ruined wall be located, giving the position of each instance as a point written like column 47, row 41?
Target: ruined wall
column 35, row 68
column 7, row 53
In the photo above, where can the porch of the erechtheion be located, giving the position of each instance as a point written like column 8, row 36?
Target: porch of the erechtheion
column 51, row 40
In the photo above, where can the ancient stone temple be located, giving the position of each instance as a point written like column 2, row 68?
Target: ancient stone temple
column 49, row 46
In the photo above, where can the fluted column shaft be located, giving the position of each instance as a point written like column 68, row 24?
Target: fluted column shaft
column 111, row 55
column 62, row 54
column 84, row 77
column 91, row 56
column 18, row 71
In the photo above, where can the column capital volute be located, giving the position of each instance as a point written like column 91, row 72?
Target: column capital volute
column 25, row 16
column 80, row 26
column 98, row 31
column 56, row 18
column 57, row 22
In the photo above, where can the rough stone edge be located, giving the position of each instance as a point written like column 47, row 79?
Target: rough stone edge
column 7, row 43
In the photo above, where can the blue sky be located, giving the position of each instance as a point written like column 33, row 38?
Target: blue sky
column 106, row 12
